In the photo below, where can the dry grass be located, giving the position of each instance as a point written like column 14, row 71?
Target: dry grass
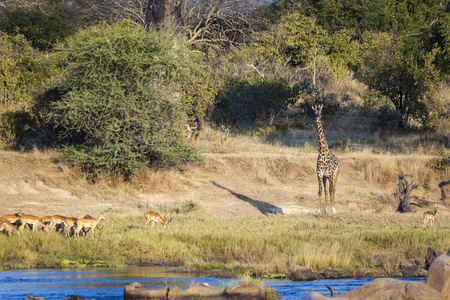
column 359, row 244
column 234, row 192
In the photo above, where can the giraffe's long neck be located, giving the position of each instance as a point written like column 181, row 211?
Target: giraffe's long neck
column 322, row 140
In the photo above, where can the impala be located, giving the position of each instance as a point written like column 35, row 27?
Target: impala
column 47, row 220
column 60, row 221
column 429, row 216
column 6, row 225
column 86, row 230
column 13, row 219
column 33, row 221
column 156, row 218
column 88, row 224
column 69, row 223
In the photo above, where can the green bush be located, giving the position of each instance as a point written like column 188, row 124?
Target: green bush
column 17, row 127
column 41, row 29
column 122, row 103
column 23, row 70
column 387, row 118
column 243, row 103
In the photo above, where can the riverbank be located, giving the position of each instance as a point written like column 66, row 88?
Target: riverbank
column 356, row 245
column 249, row 207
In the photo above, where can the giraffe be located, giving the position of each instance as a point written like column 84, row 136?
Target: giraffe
column 327, row 165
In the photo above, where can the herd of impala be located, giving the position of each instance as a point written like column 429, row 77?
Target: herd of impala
column 9, row 222
column 15, row 223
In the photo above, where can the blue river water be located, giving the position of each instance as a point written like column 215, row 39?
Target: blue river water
column 110, row 283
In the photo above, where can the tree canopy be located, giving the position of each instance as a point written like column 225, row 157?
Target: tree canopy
column 122, row 91
column 119, row 105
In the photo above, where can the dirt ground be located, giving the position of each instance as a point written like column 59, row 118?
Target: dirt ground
column 228, row 184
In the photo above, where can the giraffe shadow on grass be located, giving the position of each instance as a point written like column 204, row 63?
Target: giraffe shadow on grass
column 264, row 207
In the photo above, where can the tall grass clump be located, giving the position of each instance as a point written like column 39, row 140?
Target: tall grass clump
column 320, row 257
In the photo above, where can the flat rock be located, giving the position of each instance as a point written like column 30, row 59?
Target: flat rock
column 204, row 290
column 302, row 273
column 392, row 289
column 137, row 291
column 315, row 296
column 257, row 292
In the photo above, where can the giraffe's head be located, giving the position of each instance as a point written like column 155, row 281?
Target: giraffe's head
column 318, row 110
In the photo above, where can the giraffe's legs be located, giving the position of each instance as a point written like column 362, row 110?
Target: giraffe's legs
column 333, row 190
column 319, row 211
column 324, row 180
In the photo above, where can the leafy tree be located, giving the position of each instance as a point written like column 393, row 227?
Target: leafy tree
column 121, row 104
column 403, row 73
column 23, row 70
column 243, row 103
column 304, row 42
column 43, row 24
column 343, row 50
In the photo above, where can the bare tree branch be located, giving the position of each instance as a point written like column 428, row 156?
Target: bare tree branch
column 224, row 23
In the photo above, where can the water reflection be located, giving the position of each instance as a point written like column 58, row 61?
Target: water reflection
column 109, row 283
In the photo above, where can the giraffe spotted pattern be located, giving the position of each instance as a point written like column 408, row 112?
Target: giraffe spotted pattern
column 327, row 167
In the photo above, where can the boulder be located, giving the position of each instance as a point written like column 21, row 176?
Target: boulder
column 392, row 289
column 33, row 298
column 175, row 292
column 332, row 274
column 302, row 273
column 204, row 290
column 315, row 296
column 256, row 292
column 439, row 275
column 432, row 254
column 409, row 270
column 137, row 291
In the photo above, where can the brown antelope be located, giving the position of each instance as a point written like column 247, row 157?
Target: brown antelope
column 429, row 216
column 33, row 221
column 156, row 218
column 86, row 230
column 69, row 223
column 88, row 223
column 6, row 225
column 57, row 220
column 13, row 219
column 47, row 220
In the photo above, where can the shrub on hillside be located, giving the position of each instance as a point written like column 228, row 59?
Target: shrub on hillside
column 243, row 102
column 23, row 70
column 122, row 103
column 387, row 118
column 43, row 25
column 17, row 127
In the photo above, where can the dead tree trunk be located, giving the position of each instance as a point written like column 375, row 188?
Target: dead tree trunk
column 403, row 193
column 159, row 11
